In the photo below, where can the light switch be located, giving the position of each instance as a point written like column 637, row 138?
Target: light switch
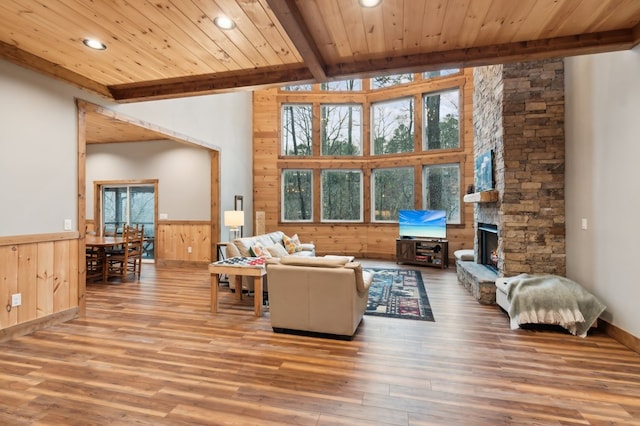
column 67, row 224
column 584, row 223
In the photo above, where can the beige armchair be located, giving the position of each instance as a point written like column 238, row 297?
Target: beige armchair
column 317, row 295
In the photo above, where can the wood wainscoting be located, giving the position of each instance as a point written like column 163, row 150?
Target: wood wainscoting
column 175, row 237
column 43, row 269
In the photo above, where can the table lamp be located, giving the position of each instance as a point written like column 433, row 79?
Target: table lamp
column 234, row 219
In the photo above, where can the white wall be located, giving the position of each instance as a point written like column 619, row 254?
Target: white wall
column 602, row 178
column 38, row 155
column 183, row 173
column 38, row 140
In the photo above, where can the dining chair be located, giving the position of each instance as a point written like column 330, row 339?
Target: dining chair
column 94, row 264
column 129, row 260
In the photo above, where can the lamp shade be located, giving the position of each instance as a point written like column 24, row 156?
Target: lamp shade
column 234, row 218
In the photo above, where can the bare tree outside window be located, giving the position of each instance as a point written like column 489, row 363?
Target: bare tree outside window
column 384, row 81
column 392, row 126
column 297, row 129
column 341, row 129
column 297, row 88
column 342, row 86
column 440, row 73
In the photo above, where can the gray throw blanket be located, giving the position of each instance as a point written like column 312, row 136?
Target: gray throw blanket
column 551, row 299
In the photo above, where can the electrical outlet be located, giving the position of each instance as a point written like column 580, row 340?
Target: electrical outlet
column 584, row 224
column 16, row 300
column 189, row 249
column 67, row 224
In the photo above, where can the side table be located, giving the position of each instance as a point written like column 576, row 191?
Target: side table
column 220, row 255
column 239, row 266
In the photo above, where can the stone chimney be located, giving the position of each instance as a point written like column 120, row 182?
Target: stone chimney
column 519, row 114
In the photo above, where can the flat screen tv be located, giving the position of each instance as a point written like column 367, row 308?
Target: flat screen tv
column 422, row 223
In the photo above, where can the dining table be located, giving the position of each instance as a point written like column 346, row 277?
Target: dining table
column 102, row 243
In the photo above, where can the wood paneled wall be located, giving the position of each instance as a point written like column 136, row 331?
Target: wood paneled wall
column 43, row 269
column 173, row 239
column 368, row 240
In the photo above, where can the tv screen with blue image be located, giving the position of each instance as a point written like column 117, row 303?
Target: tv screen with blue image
column 422, row 224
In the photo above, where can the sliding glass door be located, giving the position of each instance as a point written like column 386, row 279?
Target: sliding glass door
column 130, row 205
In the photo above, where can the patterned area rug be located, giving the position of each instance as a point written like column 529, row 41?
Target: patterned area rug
column 398, row 294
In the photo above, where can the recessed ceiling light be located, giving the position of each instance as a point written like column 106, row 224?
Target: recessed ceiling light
column 369, row 3
column 224, row 22
column 94, row 44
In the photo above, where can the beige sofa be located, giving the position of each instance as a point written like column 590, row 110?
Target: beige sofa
column 273, row 242
column 326, row 296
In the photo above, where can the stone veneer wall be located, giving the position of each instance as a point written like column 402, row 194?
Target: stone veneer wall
column 487, row 129
column 519, row 113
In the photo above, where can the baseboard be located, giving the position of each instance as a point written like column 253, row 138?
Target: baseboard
column 37, row 324
column 622, row 336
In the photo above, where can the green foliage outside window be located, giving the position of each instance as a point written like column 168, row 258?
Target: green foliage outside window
column 442, row 189
column 341, row 195
column 392, row 191
column 297, row 200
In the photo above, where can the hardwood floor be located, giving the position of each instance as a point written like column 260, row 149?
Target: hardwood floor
column 152, row 353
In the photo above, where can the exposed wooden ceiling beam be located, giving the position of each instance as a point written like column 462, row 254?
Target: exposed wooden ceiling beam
column 291, row 20
column 27, row 60
column 210, row 83
column 636, row 35
column 487, row 55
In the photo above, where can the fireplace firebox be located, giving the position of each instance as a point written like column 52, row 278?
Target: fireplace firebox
column 488, row 245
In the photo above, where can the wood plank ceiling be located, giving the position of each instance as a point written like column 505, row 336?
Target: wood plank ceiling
column 171, row 48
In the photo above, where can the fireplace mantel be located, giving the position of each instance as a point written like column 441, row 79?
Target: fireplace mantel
column 490, row 196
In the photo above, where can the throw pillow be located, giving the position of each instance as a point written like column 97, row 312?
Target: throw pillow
column 258, row 250
column 292, row 244
column 277, row 250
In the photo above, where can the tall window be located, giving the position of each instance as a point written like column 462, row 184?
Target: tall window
column 392, row 126
column 341, row 195
column 297, row 195
column 392, row 190
column 441, row 120
column 442, row 189
column 341, row 129
column 297, row 129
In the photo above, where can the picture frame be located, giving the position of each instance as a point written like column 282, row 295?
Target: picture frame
column 483, row 171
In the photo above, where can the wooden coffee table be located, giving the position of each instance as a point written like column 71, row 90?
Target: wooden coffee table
column 239, row 266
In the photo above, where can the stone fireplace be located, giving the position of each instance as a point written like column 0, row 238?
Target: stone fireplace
column 519, row 116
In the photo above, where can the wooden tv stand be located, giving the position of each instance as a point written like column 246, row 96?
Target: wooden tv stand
column 423, row 252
